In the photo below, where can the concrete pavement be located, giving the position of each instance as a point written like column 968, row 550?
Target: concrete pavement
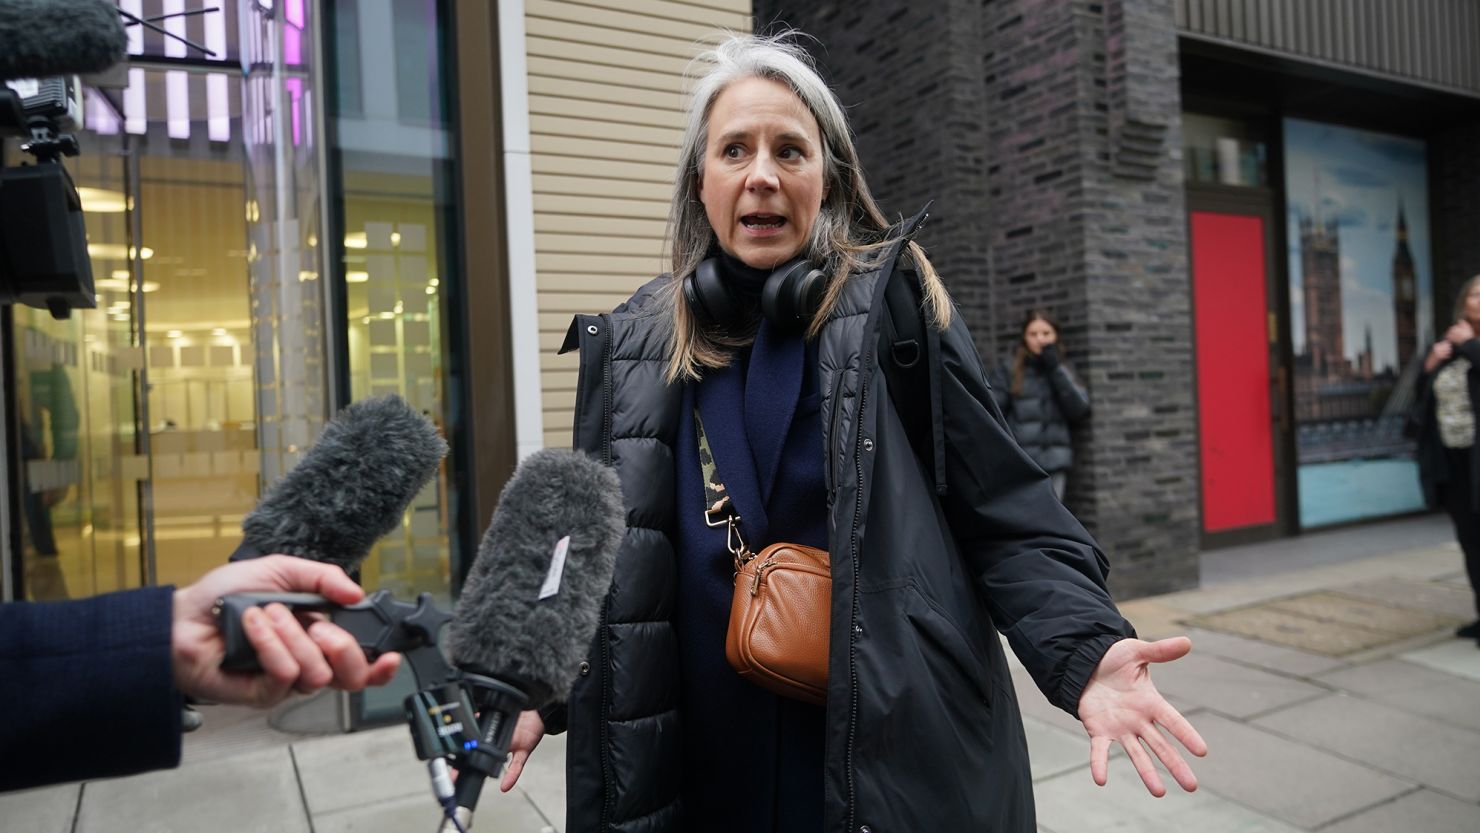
column 1333, row 698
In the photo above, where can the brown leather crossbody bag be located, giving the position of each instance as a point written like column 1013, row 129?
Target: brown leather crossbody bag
column 781, row 609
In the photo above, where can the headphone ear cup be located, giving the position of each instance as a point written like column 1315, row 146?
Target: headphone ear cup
column 708, row 297
column 792, row 295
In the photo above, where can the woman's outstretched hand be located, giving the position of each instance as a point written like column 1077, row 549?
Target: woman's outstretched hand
column 1119, row 703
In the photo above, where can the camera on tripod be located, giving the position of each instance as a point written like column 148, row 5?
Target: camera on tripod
column 43, row 241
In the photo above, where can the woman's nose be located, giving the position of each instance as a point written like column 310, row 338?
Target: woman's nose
column 762, row 175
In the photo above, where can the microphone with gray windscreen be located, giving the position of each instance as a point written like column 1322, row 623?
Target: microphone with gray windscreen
column 532, row 600
column 351, row 487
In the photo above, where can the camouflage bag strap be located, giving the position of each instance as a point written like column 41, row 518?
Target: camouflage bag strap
column 719, row 510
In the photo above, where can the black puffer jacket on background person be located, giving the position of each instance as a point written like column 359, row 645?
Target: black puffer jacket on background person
column 1051, row 401
column 923, row 729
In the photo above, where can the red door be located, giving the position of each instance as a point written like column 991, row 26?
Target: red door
column 1234, row 334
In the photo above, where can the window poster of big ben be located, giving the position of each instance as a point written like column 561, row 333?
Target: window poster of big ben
column 1361, row 313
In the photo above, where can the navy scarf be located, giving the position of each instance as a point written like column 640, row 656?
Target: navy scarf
column 761, row 417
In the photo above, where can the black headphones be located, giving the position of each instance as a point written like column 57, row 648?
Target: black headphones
column 789, row 299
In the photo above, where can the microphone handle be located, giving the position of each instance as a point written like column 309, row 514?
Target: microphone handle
column 499, row 706
column 378, row 622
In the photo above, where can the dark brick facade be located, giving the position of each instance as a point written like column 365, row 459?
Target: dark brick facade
column 1047, row 131
column 1454, row 185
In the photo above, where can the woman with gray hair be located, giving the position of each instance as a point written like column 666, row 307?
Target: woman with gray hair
column 758, row 391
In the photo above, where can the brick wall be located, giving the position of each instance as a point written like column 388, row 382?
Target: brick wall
column 1454, row 197
column 909, row 77
column 1047, row 132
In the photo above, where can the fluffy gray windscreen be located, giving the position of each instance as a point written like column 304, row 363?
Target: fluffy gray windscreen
column 501, row 626
column 352, row 486
column 59, row 37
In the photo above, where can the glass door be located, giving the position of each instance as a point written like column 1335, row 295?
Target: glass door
column 136, row 421
column 80, row 471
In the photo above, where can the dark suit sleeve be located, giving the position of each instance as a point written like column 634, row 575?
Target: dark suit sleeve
column 87, row 688
column 1043, row 574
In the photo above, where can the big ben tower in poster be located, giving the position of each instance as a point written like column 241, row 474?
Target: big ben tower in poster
column 1405, row 295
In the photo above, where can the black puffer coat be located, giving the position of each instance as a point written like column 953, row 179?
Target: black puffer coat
column 1040, row 416
column 923, row 730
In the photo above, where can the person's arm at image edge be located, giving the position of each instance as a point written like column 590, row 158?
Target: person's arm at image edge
column 93, row 687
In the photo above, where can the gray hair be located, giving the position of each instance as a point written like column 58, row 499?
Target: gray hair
column 848, row 223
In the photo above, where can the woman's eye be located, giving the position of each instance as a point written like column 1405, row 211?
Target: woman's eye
column 732, row 152
column 790, row 152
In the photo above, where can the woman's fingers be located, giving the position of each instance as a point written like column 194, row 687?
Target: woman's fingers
column 513, row 771
column 1171, row 759
column 1165, row 650
column 1182, row 730
column 1099, row 759
column 1144, row 766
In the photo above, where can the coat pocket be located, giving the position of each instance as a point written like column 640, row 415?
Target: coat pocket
column 929, row 649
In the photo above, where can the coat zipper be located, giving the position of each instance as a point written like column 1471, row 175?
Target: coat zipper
column 606, row 676
column 606, row 390
column 853, row 627
column 866, row 353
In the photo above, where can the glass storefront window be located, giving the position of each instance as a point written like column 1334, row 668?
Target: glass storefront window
column 392, row 153
column 1220, row 151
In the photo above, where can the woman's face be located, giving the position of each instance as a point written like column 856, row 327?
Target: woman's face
column 761, row 181
column 1472, row 304
column 1037, row 334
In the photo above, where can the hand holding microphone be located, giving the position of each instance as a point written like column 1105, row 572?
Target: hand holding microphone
column 293, row 658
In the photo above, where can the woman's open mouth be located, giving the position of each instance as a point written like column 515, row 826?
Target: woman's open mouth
column 762, row 224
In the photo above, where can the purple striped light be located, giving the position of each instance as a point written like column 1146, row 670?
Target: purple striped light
column 174, row 47
column 218, row 91
column 136, row 120
column 135, row 33
column 218, row 107
column 99, row 116
column 177, row 102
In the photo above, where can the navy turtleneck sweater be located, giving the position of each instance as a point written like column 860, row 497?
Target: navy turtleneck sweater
column 753, row 761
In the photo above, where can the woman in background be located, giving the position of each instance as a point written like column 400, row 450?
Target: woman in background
column 1448, row 400
column 1041, row 398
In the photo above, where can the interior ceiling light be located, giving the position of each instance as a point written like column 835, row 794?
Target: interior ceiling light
column 101, row 200
column 356, row 240
column 356, row 277
column 122, row 285
column 116, row 251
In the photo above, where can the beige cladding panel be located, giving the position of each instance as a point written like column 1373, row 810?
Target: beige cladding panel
column 606, row 117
